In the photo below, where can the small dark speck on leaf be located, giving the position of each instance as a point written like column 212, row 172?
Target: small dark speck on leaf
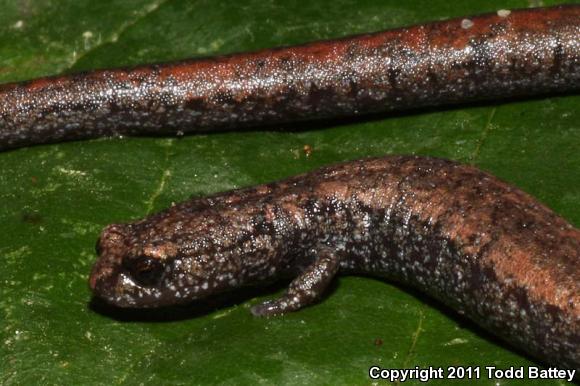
column 33, row 218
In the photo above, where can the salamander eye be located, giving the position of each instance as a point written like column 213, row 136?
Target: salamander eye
column 145, row 270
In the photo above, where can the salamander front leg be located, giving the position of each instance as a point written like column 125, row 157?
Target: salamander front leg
column 304, row 289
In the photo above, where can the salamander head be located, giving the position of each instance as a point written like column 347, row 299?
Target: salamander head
column 137, row 270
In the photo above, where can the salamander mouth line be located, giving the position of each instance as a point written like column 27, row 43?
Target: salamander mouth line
column 214, row 304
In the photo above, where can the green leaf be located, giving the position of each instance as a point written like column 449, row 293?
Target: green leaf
column 57, row 198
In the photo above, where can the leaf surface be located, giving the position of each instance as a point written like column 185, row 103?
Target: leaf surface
column 57, row 198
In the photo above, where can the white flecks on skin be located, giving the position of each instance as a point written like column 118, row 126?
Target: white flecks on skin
column 503, row 12
column 466, row 23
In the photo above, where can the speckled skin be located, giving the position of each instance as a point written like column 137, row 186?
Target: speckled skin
column 499, row 55
column 479, row 245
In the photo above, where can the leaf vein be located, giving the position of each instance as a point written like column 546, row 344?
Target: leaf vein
column 485, row 133
column 140, row 14
column 414, row 339
column 162, row 181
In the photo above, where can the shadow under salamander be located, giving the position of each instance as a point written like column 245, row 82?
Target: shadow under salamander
column 324, row 123
column 226, row 300
column 300, row 126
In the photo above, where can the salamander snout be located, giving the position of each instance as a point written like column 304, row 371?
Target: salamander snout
column 111, row 247
column 112, row 239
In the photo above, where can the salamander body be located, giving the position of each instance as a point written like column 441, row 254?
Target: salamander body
column 487, row 57
column 460, row 235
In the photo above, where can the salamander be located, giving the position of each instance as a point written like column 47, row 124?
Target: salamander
column 458, row 234
column 504, row 54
